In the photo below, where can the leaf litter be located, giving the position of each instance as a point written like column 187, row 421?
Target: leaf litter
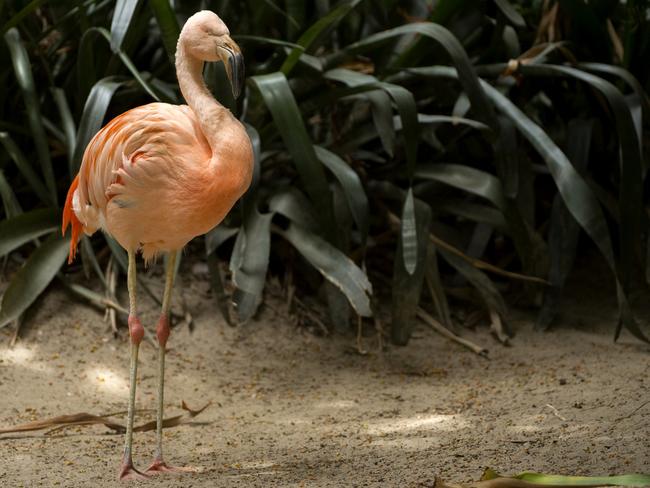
column 61, row 422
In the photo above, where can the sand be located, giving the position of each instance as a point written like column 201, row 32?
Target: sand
column 293, row 409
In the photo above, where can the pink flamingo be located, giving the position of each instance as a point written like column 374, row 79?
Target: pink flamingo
column 159, row 175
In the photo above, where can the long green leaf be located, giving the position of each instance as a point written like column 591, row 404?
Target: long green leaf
column 266, row 41
column 218, row 289
column 575, row 192
column 9, row 200
column 26, row 169
column 434, row 282
column 67, row 122
column 382, row 116
column 90, row 259
column 470, row 210
column 446, row 39
column 16, row 231
column 577, row 195
column 479, row 280
column 118, row 252
column 281, row 103
column 404, row 101
column 256, row 142
column 83, row 61
column 122, row 18
column 409, row 267
column 295, row 16
column 249, row 262
column 93, row 115
column 169, row 28
column 29, row 281
column 23, row 71
column 624, row 75
column 507, row 157
column 465, row 178
column 382, row 113
column 355, row 194
column 292, row 204
column 631, row 186
column 291, row 22
column 510, row 13
column 309, row 39
column 218, row 236
column 24, row 12
column 333, row 265
column 408, row 234
column 563, row 229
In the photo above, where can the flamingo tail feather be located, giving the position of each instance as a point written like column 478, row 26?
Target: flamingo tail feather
column 70, row 218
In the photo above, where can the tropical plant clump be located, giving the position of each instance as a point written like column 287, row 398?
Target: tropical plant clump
column 438, row 149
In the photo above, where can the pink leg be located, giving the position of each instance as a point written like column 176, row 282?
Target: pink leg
column 162, row 333
column 127, row 471
column 136, row 333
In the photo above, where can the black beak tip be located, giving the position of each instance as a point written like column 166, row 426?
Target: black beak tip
column 238, row 74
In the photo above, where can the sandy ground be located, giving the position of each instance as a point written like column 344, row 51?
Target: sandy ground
column 293, row 409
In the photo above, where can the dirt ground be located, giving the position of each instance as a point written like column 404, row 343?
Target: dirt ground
column 292, row 409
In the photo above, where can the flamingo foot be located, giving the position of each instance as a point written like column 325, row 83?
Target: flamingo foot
column 159, row 466
column 128, row 472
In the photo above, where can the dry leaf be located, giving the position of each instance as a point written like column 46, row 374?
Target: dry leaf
column 83, row 418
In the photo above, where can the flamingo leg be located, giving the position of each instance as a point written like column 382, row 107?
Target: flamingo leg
column 162, row 333
column 136, row 332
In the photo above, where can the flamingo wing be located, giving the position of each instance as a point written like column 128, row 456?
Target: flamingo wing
column 133, row 163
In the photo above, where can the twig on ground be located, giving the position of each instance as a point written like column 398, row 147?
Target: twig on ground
column 14, row 338
column 496, row 327
column 556, row 412
column 477, row 263
column 632, row 412
column 102, row 301
column 441, row 329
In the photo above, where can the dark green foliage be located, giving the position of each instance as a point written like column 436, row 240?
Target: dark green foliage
column 502, row 127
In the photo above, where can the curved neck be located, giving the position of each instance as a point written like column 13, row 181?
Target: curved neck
column 230, row 168
column 210, row 113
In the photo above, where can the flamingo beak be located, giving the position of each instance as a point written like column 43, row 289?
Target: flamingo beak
column 234, row 62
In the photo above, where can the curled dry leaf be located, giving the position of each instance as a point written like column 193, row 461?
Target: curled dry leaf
column 79, row 419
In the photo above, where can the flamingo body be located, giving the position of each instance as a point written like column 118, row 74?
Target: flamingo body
column 148, row 180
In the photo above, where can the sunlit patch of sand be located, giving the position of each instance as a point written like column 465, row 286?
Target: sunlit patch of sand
column 444, row 423
column 23, row 356
column 337, row 404
column 105, row 379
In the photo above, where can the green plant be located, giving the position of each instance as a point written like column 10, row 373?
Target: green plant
column 412, row 141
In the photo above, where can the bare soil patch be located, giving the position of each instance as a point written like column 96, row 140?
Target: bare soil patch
column 292, row 409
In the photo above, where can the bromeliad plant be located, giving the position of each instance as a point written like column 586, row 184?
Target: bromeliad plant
column 412, row 143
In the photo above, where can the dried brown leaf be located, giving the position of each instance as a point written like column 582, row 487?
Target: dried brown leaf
column 80, row 419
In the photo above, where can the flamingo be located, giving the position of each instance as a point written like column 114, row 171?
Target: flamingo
column 159, row 175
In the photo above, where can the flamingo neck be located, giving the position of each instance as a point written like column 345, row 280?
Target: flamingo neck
column 209, row 112
column 230, row 168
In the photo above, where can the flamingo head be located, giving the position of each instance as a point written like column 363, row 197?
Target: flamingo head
column 207, row 38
